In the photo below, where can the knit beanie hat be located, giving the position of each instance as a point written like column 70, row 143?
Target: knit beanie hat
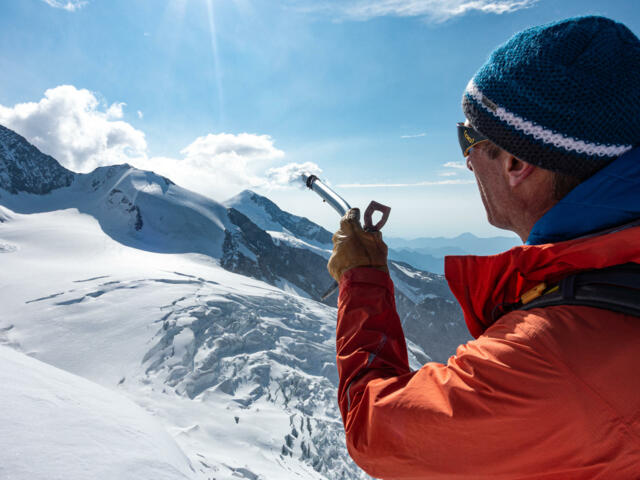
column 563, row 96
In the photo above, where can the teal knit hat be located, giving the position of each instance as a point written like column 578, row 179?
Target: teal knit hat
column 563, row 96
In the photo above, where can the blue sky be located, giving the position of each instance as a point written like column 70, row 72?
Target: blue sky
column 225, row 95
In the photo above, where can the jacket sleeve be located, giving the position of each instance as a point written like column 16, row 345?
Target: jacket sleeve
column 485, row 414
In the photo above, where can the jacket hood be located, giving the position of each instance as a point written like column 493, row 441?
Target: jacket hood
column 610, row 197
column 481, row 284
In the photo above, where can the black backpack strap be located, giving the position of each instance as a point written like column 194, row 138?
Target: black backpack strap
column 614, row 288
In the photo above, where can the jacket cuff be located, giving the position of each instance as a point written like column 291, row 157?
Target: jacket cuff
column 372, row 276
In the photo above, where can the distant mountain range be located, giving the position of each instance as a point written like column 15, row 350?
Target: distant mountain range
column 464, row 244
column 124, row 278
column 428, row 253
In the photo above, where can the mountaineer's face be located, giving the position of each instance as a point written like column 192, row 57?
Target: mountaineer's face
column 492, row 184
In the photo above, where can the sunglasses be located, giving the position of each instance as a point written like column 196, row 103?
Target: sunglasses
column 469, row 138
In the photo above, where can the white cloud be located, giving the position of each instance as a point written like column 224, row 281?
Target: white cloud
column 447, row 174
column 291, row 173
column 83, row 133
column 433, row 10
column 219, row 165
column 226, row 146
column 460, row 165
column 71, row 125
column 69, row 5
column 218, row 180
column 115, row 111
column 418, row 135
column 140, row 114
column 402, row 185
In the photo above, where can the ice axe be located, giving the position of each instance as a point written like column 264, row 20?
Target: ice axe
column 341, row 206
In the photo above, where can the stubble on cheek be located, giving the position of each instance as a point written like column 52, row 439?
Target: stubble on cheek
column 484, row 198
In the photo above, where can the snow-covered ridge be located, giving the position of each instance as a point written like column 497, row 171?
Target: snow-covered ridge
column 137, row 208
column 268, row 216
column 288, row 239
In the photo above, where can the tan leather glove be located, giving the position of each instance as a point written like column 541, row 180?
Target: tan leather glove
column 353, row 247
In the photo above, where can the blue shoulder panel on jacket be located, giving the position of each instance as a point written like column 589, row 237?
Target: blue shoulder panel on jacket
column 609, row 198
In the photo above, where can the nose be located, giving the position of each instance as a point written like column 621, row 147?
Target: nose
column 469, row 166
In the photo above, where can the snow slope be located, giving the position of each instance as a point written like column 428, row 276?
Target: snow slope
column 240, row 373
column 58, row 426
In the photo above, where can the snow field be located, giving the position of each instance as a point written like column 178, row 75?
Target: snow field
column 239, row 373
column 56, row 425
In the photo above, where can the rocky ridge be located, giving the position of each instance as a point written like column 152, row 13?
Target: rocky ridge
column 24, row 168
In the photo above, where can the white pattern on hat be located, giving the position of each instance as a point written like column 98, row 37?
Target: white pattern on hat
column 540, row 133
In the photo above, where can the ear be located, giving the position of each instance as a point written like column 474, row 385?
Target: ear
column 515, row 170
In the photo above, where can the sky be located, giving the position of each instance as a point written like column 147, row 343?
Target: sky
column 225, row 95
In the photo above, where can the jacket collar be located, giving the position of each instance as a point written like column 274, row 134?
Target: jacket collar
column 608, row 198
column 481, row 284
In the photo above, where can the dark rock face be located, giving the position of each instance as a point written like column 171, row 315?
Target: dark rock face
column 118, row 199
column 24, row 168
column 271, row 262
column 301, row 227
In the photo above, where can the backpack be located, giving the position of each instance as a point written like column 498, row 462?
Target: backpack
column 614, row 288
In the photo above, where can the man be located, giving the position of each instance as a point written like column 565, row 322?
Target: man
column 552, row 136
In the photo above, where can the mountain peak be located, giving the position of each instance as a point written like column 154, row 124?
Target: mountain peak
column 24, row 168
column 466, row 236
column 246, row 193
column 268, row 216
column 252, row 197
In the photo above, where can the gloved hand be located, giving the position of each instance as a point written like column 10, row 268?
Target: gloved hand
column 353, row 247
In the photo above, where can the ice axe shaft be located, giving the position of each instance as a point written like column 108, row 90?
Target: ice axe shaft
column 341, row 206
column 338, row 203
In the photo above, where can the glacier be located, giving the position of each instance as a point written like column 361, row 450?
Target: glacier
column 199, row 318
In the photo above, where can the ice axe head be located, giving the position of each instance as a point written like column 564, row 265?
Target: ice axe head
column 368, row 213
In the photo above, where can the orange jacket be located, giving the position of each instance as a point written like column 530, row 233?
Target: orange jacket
column 550, row 393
